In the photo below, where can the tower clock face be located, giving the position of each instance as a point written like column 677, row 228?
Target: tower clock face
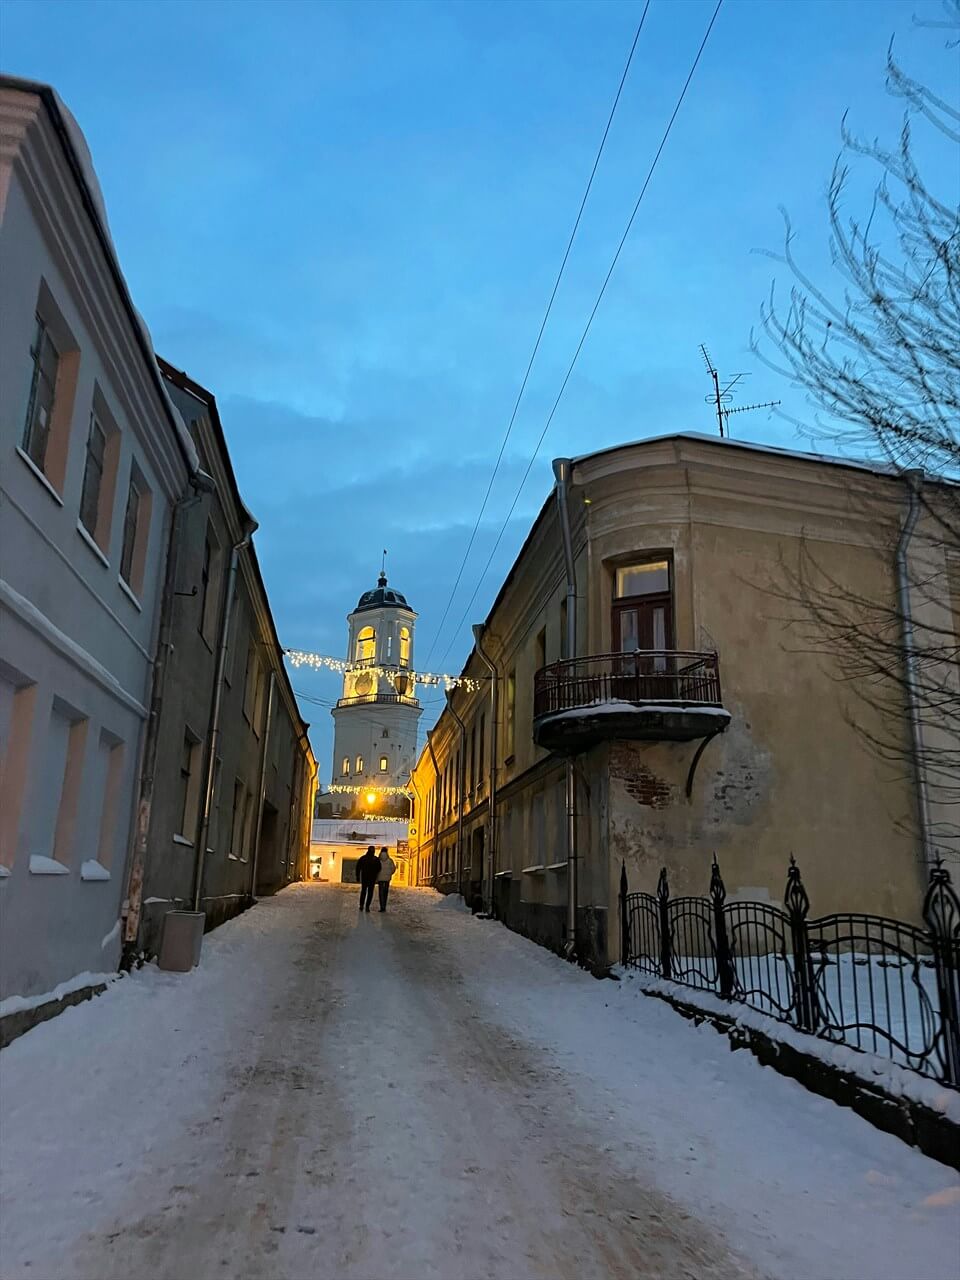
column 364, row 683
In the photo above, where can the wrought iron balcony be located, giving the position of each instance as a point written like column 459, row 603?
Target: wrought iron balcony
column 392, row 698
column 650, row 695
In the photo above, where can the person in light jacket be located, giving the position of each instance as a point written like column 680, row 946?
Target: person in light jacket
column 387, row 868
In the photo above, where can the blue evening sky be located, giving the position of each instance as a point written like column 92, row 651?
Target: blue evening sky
column 345, row 219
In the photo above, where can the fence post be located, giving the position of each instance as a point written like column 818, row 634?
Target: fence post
column 663, row 901
column 718, row 895
column 941, row 911
column 805, row 996
column 625, row 956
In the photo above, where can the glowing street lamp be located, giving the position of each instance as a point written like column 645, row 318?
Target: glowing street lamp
column 371, row 797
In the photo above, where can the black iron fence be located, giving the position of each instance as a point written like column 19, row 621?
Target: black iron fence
column 662, row 675
column 878, row 985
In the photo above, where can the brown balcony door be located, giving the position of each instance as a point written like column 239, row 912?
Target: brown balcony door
column 642, row 623
column 645, row 622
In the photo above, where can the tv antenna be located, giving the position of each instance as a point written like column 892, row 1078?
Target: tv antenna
column 722, row 395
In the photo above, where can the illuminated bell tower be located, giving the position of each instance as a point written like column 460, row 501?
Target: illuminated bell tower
column 375, row 721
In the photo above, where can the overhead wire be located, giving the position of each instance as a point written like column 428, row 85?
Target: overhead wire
column 536, row 345
column 587, row 327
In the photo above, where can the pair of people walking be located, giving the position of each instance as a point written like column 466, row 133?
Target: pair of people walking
column 371, row 871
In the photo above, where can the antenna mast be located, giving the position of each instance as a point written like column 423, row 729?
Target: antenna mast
column 721, row 396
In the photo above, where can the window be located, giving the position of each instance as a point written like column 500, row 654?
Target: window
column 248, row 834
column 251, row 680
column 63, row 770
column 209, row 587
column 642, row 616
column 404, row 646
column 358, row 768
column 540, row 649
column 389, row 646
column 136, row 521
column 385, row 734
column 509, row 715
column 239, row 817
column 563, row 629
column 93, row 476
column 18, row 697
column 189, row 785
column 43, row 388
column 648, row 578
column 480, row 756
column 366, row 644
column 345, row 767
column 384, row 764
column 111, row 772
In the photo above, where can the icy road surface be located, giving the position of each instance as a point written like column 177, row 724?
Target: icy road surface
column 421, row 1094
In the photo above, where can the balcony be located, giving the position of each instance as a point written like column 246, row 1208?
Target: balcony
column 393, row 699
column 651, row 696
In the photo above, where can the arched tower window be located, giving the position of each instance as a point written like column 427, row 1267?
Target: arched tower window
column 366, row 644
column 404, row 646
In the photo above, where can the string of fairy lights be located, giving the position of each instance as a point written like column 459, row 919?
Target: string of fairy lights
column 324, row 662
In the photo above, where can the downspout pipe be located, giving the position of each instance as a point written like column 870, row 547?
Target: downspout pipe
column 492, row 840
column 914, row 480
column 200, row 485
column 262, row 784
column 436, row 809
column 562, row 468
column 416, row 810
column 216, row 711
column 461, row 766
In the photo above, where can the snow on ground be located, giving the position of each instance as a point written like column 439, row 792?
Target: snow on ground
column 429, row 1095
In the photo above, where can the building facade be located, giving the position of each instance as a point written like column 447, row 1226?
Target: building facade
column 653, row 704
column 230, row 769
column 376, row 718
column 93, row 457
column 337, row 843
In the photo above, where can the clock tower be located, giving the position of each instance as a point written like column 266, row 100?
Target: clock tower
column 375, row 721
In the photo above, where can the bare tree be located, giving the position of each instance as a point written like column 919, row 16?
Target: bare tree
column 878, row 354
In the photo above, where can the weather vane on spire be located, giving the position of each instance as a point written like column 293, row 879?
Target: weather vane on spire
column 383, row 569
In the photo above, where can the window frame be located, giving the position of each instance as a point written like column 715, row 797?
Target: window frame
column 41, row 335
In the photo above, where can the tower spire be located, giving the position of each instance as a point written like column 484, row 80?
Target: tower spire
column 382, row 580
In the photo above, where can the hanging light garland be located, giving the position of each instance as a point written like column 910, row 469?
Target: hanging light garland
column 321, row 661
column 341, row 788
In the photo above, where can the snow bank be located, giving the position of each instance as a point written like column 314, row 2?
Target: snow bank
column 17, row 1004
column 897, row 1080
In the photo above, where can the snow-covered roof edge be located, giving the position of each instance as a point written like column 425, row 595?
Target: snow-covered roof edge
column 81, row 162
column 727, row 442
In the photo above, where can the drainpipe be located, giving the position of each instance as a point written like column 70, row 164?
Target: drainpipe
column 436, row 812
column 262, row 784
column 562, row 469
column 492, row 841
column 914, row 479
column 416, row 810
column 460, row 774
column 201, row 484
column 216, row 708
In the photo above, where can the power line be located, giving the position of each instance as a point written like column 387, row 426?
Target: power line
column 587, row 327
column 536, row 345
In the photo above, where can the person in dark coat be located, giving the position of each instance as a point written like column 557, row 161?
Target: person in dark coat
column 368, row 868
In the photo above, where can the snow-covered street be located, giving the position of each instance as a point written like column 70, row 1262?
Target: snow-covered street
column 428, row 1095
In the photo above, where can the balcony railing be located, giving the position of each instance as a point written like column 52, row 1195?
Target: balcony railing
column 649, row 694
column 393, row 698
column 672, row 676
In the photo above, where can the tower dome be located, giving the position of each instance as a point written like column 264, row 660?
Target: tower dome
column 381, row 595
column 375, row 733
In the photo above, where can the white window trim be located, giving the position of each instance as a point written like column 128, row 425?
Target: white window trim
column 40, row 476
column 129, row 593
column 92, row 544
